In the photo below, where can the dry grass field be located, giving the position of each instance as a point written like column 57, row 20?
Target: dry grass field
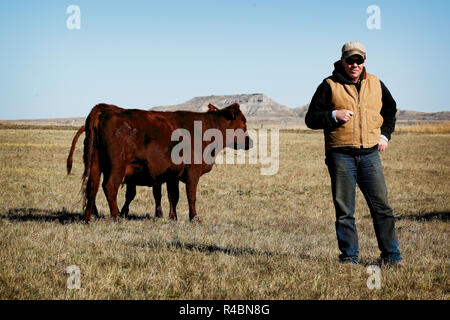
column 261, row 237
column 426, row 127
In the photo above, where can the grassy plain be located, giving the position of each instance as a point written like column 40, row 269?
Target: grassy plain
column 262, row 237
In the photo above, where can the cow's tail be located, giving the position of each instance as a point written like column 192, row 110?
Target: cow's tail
column 72, row 149
column 90, row 143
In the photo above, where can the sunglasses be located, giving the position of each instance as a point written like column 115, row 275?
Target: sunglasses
column 351, row 60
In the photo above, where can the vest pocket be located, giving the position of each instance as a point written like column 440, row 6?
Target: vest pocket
column 342, row 135
column 374, row 121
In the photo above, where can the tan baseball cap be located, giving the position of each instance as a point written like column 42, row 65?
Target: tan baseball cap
column 353, row 47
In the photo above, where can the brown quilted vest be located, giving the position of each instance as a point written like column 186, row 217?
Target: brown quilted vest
column 363, row 129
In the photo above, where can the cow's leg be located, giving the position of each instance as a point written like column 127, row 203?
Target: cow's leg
column 191, row 192
column 92, row 186
column 157, row 195
column 129, row 196
column 174, row 195
column 111, row 184
column 95, row 211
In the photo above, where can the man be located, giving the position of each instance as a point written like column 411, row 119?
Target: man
column 357, row 113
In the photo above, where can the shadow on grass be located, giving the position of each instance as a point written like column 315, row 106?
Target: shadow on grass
column 141, row 218
column 62, row 216
column 42, row 215
column 212, row 248
column 426, row 216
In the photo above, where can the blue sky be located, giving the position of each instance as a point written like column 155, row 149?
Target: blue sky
column 139, row 54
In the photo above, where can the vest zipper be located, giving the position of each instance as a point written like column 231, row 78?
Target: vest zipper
column 360, row 116
column 360, row 122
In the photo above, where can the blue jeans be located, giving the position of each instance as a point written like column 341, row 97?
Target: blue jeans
column 347, row 170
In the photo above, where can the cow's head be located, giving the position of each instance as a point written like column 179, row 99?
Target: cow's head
column 236, row 127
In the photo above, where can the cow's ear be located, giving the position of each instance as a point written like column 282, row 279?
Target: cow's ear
column 232, row 111
column 212, row 108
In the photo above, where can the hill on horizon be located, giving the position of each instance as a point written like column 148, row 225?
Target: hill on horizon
column 252, row 105
column 257, row 107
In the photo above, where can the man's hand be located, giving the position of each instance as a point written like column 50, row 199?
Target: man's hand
column 344, row 115
column 382, row 144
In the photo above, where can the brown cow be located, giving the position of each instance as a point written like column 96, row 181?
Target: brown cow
column 131, row 193
column 131, row 189
column 135, row 147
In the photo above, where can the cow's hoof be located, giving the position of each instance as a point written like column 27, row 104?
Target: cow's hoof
column 196, row 220
column 159, row 214
column 123, row 214
column 173, row 218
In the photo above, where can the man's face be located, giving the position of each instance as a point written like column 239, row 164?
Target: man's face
column 353, row 66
